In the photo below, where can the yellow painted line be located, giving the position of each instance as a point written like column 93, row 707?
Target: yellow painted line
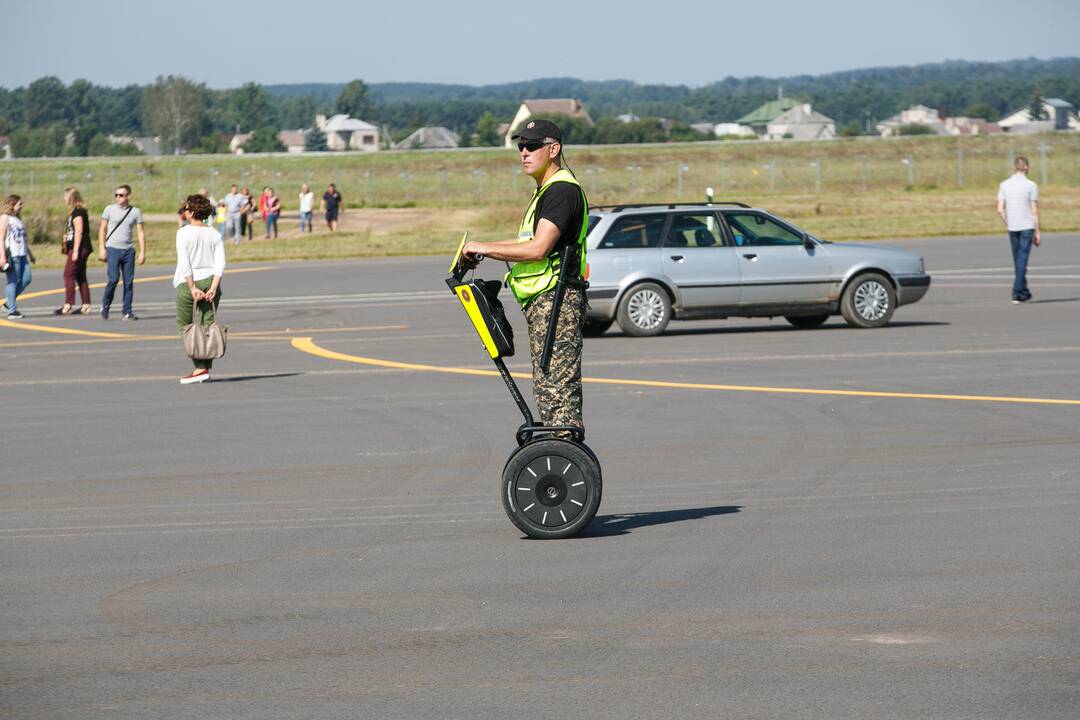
column 305, row 344
column 155, row 278
column 60, row 331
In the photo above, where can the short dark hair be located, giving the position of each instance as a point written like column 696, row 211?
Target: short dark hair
column 126, row 188
column 1021, row 163
column 199, row 207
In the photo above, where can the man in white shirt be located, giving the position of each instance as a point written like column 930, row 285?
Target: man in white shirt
column 307, row 203
column 1018, row 207
column 234, row 204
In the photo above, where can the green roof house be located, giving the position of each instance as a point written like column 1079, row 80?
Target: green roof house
column 768, row 112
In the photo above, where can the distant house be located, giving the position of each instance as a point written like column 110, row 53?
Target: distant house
column 146, row 145
column 733, row 129
column 627, row 118
column 293, row 140
column 761, row 116
column 970, row 126
column 801, row 122
column 236, row 142
column 703, row 128
column 1061, row 115
column 544, row 108
column 429, row 138
column 914, row 115
column 346, row 133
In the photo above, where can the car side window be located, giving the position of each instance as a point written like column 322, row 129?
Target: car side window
column 694, row 230
column 635, row 231
column 755, row 230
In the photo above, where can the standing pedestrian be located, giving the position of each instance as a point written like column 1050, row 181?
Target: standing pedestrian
column 332, row 205
column 1018, row 207
column 15, row 254
column 262, row 203
column 307, row 202
column 247, row 212
column 119, row 222
column 234, row 204
column 76, row 246
column 200, row 265
column 551, row 233
column 273, row 210
column 221, row 217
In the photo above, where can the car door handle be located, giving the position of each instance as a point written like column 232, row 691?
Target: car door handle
column 750, row 256
column 677, row 258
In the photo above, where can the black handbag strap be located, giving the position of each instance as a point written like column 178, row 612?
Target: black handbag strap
column 130, row 208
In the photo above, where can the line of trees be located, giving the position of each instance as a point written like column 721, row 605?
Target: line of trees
column 49, row 118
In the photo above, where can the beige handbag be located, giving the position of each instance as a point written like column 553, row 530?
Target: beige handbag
column 204, row 343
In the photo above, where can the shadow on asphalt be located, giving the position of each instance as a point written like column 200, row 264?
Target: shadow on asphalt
column 245, row 378
column 777, row 328
column 608, row 525
column 1052, row 300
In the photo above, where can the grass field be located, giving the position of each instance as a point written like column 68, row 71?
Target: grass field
column 419, row 202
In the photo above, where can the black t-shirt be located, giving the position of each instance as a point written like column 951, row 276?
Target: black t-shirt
column 69, row 236
column 563, row 205
column 332, row 200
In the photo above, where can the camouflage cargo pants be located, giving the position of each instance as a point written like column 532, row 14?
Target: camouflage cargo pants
column 558, row 393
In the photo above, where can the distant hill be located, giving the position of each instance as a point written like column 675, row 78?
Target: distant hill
column 852, row 95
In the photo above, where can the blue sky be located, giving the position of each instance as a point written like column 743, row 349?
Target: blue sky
column 480, row 42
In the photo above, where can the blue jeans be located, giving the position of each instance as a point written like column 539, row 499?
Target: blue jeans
column 305, row 217
column 18, row 278
column 1021, row 249
column 119, row 261
column 271, row 224
column 233, row 225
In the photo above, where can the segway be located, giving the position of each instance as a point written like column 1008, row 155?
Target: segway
column 550, row 486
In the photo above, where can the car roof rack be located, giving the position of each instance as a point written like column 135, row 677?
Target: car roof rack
column 669, row 205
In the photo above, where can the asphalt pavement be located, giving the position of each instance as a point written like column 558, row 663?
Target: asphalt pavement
column 831, row 523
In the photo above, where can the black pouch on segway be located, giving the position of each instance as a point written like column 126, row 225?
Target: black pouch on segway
column 481, row 302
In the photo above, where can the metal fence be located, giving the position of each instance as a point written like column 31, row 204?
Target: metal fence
column 735, row 170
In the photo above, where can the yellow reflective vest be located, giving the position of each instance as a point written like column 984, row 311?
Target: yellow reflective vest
column 530, row 278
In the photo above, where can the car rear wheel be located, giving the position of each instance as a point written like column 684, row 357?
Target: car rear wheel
column 869, row 301
column 806, row 322
column 596, row 328
column 644, row 310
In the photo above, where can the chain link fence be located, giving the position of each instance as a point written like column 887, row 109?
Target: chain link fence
column 622, row 174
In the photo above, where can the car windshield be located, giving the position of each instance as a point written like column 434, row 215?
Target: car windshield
column 593, row 219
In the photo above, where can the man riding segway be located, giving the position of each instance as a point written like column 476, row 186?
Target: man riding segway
column 552, row 230
column 551, row 485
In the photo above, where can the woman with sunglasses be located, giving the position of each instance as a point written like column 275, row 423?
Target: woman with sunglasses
column 552, row 232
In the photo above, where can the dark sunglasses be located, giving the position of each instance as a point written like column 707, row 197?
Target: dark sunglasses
column 120, row 194
column 532, row 145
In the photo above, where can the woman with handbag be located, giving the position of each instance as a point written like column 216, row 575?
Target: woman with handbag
column 76, row 246
column 200, row 265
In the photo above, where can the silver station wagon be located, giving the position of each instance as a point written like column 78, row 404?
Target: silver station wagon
column 649, row 264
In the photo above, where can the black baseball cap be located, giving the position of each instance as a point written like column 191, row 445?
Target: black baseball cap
column 538, row 130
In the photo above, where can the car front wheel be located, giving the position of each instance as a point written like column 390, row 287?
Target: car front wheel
column 644, row 310
column 869, row 301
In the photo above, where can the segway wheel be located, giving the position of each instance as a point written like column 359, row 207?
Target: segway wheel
column 551, row 488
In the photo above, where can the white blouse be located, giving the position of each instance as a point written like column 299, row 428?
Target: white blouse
column 199, row 254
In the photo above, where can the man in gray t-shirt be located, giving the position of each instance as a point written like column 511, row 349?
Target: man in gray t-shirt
column 1018, row 207
column 119, row 222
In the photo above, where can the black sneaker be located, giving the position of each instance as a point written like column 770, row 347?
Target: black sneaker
column 15, row 315
column 104, row 313
column 129, row 316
